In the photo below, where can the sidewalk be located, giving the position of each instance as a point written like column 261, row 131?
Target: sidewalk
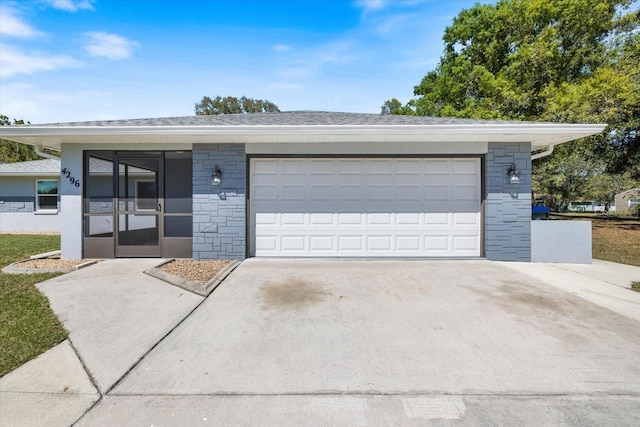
column 603, row 283
column 114, row 314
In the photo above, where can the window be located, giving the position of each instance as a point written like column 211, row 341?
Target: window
column 146, row 195
column 46, row 195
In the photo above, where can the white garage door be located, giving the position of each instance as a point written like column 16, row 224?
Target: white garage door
column 373, row 207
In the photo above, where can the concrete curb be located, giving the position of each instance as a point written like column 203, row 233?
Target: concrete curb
column 189, row 285
column 15, row 269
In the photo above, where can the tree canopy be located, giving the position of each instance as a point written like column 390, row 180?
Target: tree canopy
column 232, row 105
column 11, row 152
column 563, row 61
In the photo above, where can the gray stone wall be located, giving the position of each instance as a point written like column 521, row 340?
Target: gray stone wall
column 507, row 206
column 219, row 213
column 19, row 204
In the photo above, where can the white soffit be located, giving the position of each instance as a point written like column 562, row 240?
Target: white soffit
column 539, row 134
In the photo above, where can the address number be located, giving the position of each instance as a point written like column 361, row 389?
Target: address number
column 67, row 174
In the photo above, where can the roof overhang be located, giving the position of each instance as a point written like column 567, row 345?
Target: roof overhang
column 540, row 135
column 28, row 174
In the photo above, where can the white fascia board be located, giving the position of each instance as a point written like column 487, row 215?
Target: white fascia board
column 28, row 174
column 539, row 134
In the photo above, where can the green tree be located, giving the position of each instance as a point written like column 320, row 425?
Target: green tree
column 563, row 61
column 392, row 106
column 11, row 152
column 232, row 105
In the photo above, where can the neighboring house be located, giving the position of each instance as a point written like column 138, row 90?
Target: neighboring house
column 626, row 201
column 297, row 184
column 30, row 196
column 589, row 206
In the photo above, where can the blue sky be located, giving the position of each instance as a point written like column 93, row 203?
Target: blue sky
column 72, row 60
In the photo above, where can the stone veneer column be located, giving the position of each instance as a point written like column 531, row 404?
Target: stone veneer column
column 507, row 206
column 219, row 213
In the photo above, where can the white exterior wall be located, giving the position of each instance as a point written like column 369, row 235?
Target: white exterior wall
column 561, row 241
column 71, row 202
column 30, row 222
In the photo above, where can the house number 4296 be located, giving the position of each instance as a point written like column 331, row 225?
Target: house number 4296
column 72, row 180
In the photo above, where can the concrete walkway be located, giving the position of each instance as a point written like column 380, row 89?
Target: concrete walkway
column 114, row 314
column 284, row 342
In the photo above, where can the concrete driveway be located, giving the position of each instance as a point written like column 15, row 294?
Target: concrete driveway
column 285, row 342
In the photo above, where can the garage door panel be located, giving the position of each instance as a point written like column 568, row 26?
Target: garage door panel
column 293, row 219
column 321, row 192
column 350, row 192
column 294, row 193
column 322, row 243
column 365, row 207
column 266, row 243
column 319, row 167
column 350, row 219
column 408, row 245
column 350, row 243
column 436, row 193
column 437, row 243
column 264, row 166
column 463, row 166
column 409, row 167
column 408, row 219
column 437, row 167
column 350, row 167
column 465, row 192
column 292, row 243
column 293, row 167
column 466, row 218
column 322, row 219
column 379, row 243
column 265, row 192
column 465, row 243
column 380, row 219
column 379, row 192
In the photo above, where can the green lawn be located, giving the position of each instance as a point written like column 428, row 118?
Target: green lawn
column 28, row 327
column 615, row 239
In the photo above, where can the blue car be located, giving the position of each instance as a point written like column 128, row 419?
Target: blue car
column 540, row 212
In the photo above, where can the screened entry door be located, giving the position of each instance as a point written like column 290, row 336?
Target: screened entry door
column 139, row 205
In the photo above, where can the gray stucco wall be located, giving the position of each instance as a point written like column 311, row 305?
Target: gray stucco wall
column 18, row 193
column 18, row 207
column 219, row 213
column 507, row 206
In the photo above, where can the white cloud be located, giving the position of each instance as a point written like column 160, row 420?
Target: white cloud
column 46, row 104
column 111, row 46
column 11, row 24
column 371, row 4
column 280, row 48
column 394, row 23
column 70, row 5
column 285, row 86
column 312, row 61
column 13, row 62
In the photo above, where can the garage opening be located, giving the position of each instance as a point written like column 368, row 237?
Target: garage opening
column 365, row 207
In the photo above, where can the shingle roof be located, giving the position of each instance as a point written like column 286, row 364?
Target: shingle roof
column 287, row 118
column 34, row 167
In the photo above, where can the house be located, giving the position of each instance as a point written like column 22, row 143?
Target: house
column 30, row 197
column 625, row 202
column 297, row 184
